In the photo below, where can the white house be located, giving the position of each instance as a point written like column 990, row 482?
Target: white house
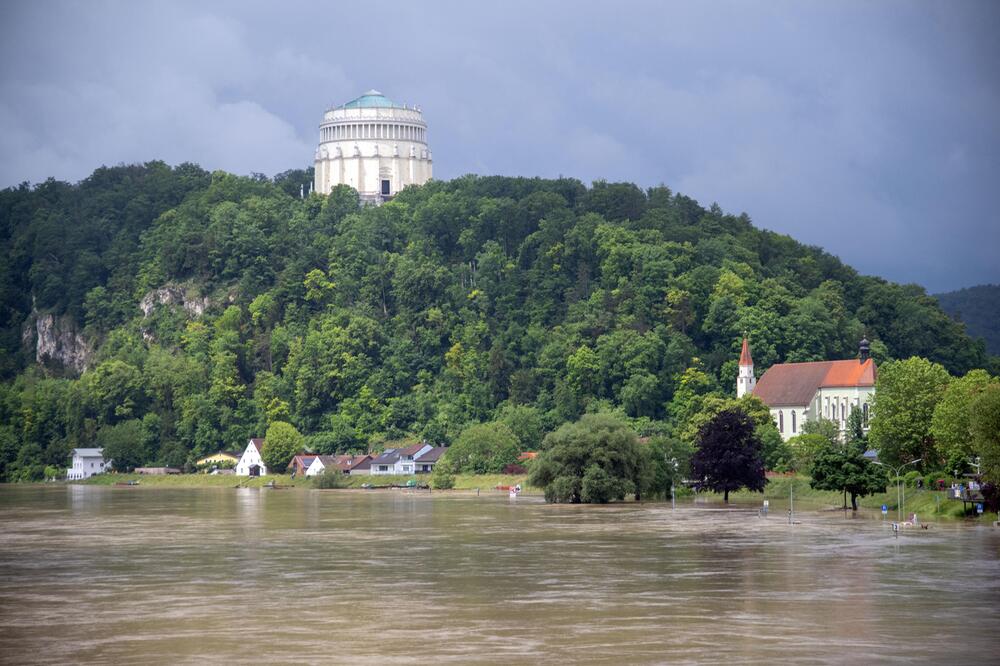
column 373, row 144
column 251, row 463
column 800, row 392
column 425, row 461
column 343, row 464
column 399, row 461
column 87, row 463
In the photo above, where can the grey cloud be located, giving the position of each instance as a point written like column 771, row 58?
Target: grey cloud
column 868, row 129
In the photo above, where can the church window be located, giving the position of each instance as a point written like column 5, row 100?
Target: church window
column 864, row 414
column 781, row 421
column 793, row 421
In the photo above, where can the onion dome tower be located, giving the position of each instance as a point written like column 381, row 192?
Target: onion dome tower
column 373, row 144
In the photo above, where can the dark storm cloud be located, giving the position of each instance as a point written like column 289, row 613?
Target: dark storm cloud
column 866, row 128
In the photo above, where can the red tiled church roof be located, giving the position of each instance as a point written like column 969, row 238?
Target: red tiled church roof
column 797, row 383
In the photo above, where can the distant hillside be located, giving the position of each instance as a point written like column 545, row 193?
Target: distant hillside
column 173, row 312
column 979, row 308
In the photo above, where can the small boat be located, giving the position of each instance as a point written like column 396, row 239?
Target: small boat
column 126, row 484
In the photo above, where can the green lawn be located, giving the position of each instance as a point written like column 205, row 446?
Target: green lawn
column 462, row 481
column 926, row 503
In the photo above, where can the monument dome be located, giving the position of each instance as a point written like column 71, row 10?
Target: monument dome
column 373, row 144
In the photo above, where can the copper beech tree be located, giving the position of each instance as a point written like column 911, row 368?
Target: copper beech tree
column 729, row 454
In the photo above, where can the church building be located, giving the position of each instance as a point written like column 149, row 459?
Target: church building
column 373, row 144
column 800, row 392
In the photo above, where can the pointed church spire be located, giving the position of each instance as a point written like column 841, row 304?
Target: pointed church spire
column 745, row 380
column 745, row 354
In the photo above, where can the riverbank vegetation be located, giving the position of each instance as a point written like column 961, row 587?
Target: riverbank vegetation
column 171, row 313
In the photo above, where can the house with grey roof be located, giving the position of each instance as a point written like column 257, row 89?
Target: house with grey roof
column 399, row 461
column 425, row 461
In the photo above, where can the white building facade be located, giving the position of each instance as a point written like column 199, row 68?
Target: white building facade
column 374, row 145
column 800, row 392
column 251, row 463
column 87, row 463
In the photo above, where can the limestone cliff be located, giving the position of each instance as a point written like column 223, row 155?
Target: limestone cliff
column 58, row 343
column 174, row 295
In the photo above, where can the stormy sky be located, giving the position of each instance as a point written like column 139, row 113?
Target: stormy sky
column 868, row 128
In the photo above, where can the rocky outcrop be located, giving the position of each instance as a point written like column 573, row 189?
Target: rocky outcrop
column 57, row 341
column 194, row 305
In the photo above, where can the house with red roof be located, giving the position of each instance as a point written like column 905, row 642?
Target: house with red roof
column 800, row 392
column 300, row 462
column 340, row 464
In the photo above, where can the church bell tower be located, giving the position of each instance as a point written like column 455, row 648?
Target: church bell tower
column 745, row 381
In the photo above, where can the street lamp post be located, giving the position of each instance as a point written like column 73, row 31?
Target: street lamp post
column 673, row 476
column 900, row 498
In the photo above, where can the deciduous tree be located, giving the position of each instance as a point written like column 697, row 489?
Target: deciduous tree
column 729, row 454
column 281, row 442
column 596, row 459
column 906, row 393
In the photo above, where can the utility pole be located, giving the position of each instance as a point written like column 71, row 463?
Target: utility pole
column 791, row 502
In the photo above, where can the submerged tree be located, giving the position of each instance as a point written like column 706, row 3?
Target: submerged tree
column 729, row 454
column 595, row 460
column 844, row 468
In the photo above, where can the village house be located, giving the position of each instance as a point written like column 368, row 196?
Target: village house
column 800, row 392
column 87, row 463
column 344, row 464
column 399, row 461
column 425, row 461
column 300, row 463
column 219, row 458
column 251, row 463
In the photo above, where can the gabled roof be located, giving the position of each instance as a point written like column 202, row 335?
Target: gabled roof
column 89, row 453
column 797, row 383
column 411, row 450
column 344, row 462
column 433, row 455
column 258, row 443
column 387, row 457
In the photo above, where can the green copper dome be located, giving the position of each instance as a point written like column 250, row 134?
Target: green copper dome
column 372, row 99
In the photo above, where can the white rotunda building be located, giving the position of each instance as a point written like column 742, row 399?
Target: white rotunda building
column 373, row 144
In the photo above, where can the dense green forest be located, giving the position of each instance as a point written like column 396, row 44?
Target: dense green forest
column 205, row 306
column 979, row 309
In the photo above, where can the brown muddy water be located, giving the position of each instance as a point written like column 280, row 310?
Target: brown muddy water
column 134, row 575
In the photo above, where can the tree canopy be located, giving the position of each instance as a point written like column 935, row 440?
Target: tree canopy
column 906, row 393
column 594, row 460
column 729, row 454
column 484, row 448
column 281, row 443
column 843, row 468
column 221, row 304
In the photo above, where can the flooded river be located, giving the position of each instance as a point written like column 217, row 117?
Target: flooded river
column 128, row 575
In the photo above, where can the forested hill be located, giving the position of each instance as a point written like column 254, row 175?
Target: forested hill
column 205, row 305
column 979, row 308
